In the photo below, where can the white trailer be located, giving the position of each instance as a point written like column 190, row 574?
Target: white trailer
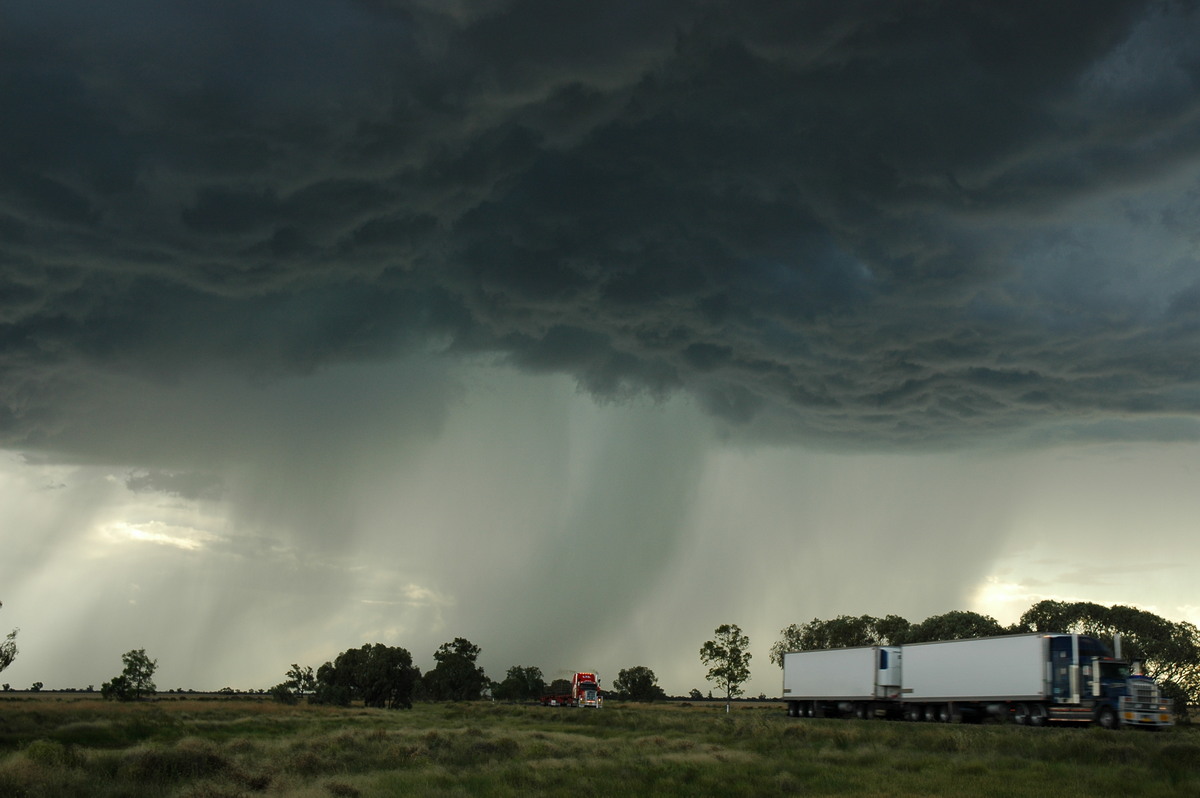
column 832, row 682
column 983, row 669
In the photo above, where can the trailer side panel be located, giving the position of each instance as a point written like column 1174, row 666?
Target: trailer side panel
column 983, row 669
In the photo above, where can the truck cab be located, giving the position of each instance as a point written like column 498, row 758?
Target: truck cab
column 1088, row 683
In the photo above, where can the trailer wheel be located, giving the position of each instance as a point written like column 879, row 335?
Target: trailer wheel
column 1021, row 715
column 864, row 712
column 1037, row 715
column 912, row 713
column 1106, row 718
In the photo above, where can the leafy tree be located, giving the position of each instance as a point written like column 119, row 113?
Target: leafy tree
column 36, row 687
column 638, row 684
column 728, row 659
column 695, row 694
column 378, row 675
column 8, row 649
column 302, row 680
column 299, row 682
column 954, row 625
column 521, row 683
column 559, row 687
column 135, row 681
column 843, row 631
column 456, row 677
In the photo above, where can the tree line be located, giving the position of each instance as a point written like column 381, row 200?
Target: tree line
column 385, row 677
column 1169, row 651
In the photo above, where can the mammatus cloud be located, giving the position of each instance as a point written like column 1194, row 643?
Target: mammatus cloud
column 907, row 224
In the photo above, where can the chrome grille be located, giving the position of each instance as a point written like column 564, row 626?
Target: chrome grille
column 1143, row 694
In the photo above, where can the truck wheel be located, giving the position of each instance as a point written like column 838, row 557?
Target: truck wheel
column 1021, row 715
column 863, row 712
column 1037, row 715
column 1106, row 718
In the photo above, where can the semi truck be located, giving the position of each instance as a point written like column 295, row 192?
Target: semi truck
column 1032, row 679
column 585, row 692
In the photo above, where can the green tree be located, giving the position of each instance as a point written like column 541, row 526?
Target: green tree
column 300, row 682
column 378, row 675
column 955, row 625
column 844, row 631
column 136, row 681
column 638, row 684
column 456, row 677
column 8, row 649
column 520, row 684
column 728, row 659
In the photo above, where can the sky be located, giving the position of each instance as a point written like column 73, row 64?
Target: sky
column 580, row 330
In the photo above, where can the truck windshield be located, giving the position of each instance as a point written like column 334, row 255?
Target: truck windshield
column 1116, row 671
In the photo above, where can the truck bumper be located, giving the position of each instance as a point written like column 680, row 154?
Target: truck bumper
column 1146, row 719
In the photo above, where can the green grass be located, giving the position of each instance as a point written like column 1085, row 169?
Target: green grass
column 222, row 749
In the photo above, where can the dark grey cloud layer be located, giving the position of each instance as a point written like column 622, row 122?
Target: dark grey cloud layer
column 875, row 223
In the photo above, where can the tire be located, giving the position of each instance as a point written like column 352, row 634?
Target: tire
column 864, row 712
column 1106, row 718
column 1021, row 715
column 1037, row 715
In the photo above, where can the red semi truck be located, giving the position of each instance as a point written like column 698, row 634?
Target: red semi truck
column 585, row 692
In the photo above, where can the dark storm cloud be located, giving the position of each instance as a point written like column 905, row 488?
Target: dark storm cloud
column 861, row 222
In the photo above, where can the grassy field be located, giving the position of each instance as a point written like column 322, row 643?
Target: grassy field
column 194, row 748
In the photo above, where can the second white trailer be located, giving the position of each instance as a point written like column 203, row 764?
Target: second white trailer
column 985, row 669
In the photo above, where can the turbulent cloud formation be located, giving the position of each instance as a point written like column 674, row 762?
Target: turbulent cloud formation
column 325, row 321
column 850, row 222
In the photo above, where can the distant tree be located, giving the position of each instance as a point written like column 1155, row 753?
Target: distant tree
column 302, row 680
column 638, row 684
column 955, row 625
column 559, row 687
column 136, row 681
column 728, row 659
column 844, row 631
column 8, row 649
column 299, row 683
column 36, row 687
column 456, row 677
column 378, row 675
column 521, row 684
column 695, row 694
